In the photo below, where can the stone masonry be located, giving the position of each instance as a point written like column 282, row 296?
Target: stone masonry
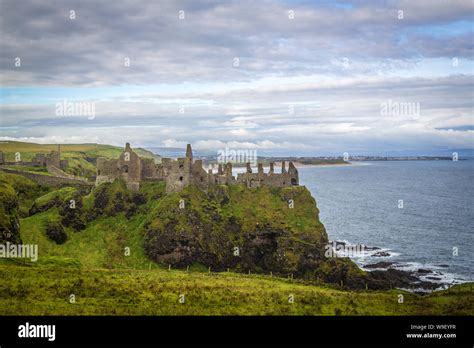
column 51, row 160
column 186, row 171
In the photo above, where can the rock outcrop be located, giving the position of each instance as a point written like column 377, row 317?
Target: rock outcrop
column 258, row 230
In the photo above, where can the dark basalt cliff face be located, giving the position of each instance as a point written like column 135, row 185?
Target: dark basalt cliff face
column 258, row 230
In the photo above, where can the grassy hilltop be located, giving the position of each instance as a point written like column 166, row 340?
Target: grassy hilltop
column 81, row 157
column 134, row 253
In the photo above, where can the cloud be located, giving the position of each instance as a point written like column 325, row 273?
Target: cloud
column 92, row 48
column 313, row 83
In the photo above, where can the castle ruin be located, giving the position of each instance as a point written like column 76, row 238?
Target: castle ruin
column 186, row 171
column 53, row 164
column 51, row 161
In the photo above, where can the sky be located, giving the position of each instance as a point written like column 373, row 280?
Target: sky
column 281, row 77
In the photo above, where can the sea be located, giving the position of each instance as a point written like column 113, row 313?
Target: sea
column 419, row 213
column 416, row 215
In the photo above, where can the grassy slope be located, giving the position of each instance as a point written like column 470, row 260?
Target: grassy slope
column 101, row 244
column 46, row 290
column 26, row 191
column 76, row 154
column 28, row 150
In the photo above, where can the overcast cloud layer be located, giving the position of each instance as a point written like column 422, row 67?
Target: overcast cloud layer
column 283, row 77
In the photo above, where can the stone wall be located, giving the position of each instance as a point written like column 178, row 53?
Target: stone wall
column 223, row 176
column 63, row 163
column 39, row 160
column 177, row 174
column 59, row 173
column 53, row 159
column 46, row 179
column 199, row 176
column 128, row 167
column 152, row 170
column 286, row 178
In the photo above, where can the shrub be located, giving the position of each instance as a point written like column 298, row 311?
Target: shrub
column 55, row 232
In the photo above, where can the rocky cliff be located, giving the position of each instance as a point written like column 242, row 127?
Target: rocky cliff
column 260, row 230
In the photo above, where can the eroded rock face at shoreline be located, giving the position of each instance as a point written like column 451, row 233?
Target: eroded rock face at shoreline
column 400, row 279
column 391, row 274
column 419, row 280
column 381, row 264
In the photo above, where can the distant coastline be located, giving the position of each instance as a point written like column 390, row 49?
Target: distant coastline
column 328, row 164
column 302, row 162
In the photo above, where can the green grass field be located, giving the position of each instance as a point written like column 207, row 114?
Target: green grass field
column 28, row 150
column 46, row 289
column 80, row 156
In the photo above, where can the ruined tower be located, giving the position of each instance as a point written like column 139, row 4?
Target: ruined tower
column 128, row 167
column 189, row 152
